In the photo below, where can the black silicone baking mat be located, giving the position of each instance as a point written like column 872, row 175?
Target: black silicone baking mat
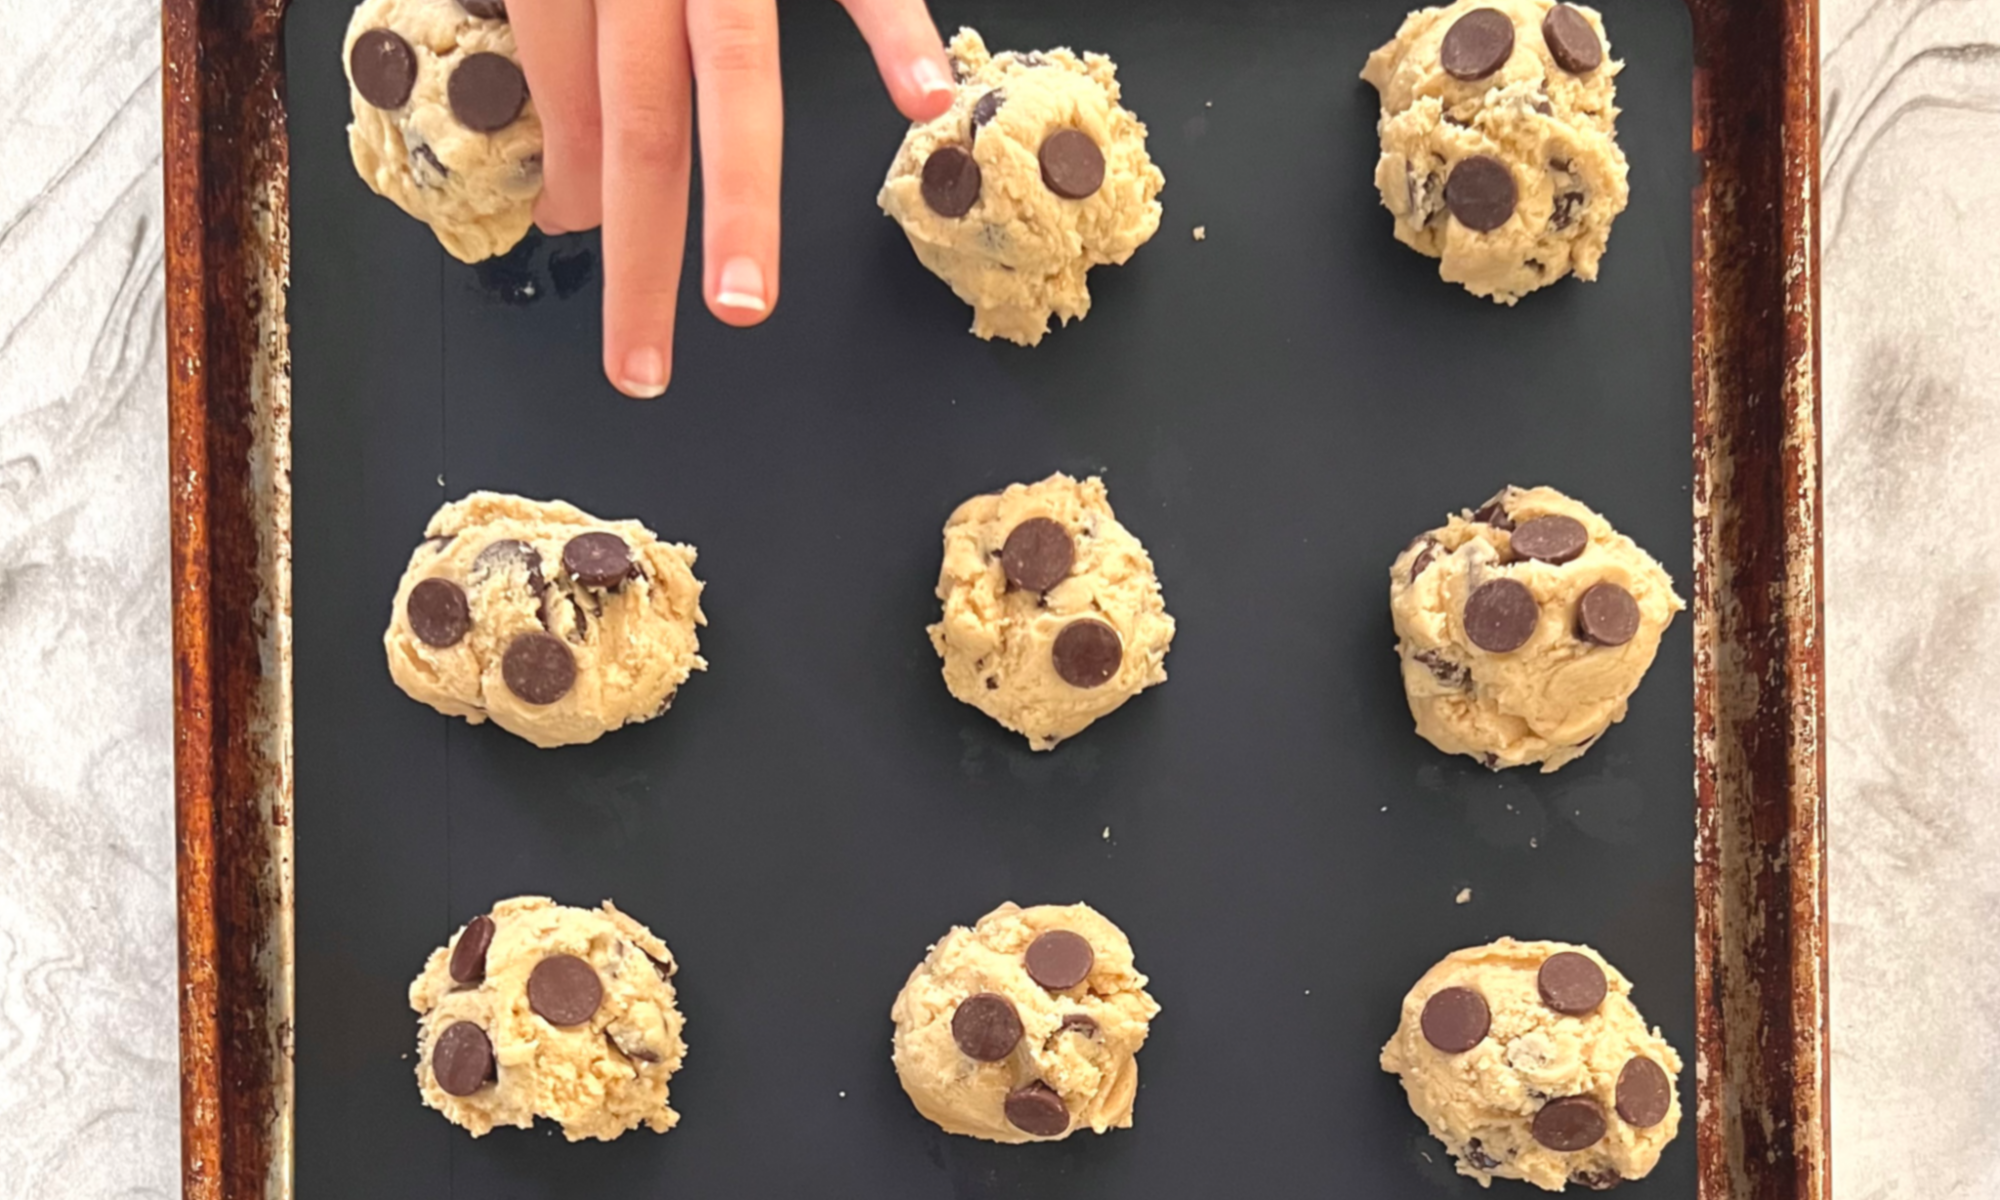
column 1277, row 410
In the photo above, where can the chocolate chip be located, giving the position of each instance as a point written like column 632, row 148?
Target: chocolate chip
column 1072, row 165
column 986, row 1027
column 598, row 559
column 987, row 106
column 1425, row 557
column 497, row 556
column 1087, row 653
column 1494, row 513
column 462, row 1059
column 1082, row 1023
column 1445, row 671
column 1456, row 1019
column 1563, row 214
column 1601, row 1180
column 427, row 156
column 1571, row 40
column 538, row 668
column 1644, row 1093
column 1571, row 983
column 1481, row 193
column 468, row 957
column 487, row 91
column 1569, row 1124
column 384, row 68
column 665, row 970
column 1059, row 959
column 1607, row 615
column 565, row 990
column 485, row 10
column 1501, row 615
column 1476, row 1154
column 951, row 182
column 1552, row 539
column 1477, row 44
column 1036, row 1109
column 1037, row 555
column 438, row 612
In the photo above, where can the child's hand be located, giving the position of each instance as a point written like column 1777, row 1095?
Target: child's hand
column 613, row 81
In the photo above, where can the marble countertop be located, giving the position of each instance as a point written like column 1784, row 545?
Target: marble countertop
column 1911, row 406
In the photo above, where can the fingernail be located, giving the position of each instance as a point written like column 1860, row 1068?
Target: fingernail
column 741, row 286
column 930, row 78
column 645, row 374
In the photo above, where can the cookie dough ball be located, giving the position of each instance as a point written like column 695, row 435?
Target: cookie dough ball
column 442, row 120
column 1033, row 177
column 1499, row 148
column 1528, row 1061
column 537, row 1010
column 1052, row 613
column 1025, row 1027
column 557, row 625
column 1524, row 627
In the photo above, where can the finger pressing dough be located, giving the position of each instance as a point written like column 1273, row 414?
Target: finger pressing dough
column 1524, row 627
column 1052, row 614
column 1025, row 1027
column 559, row 626
column 1034, row 176
column 442, row 123
column 1529, row 1061
column 1499, row 144
column 538, row 1010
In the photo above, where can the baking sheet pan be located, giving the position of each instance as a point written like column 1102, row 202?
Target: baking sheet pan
column 1277, row 410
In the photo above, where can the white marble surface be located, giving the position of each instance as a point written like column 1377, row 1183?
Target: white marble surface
column 88, row 1084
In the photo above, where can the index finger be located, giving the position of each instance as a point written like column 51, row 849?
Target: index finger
column 908, row 53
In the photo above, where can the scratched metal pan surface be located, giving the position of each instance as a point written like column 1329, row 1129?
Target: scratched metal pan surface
column 1277, row 410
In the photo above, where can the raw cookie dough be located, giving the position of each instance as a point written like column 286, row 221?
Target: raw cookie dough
column 558, row 626
column 442, row 120
column 1528, row 1061
column 1033, row 177
column 1024, row 1028
column 1499, row 147
column 1052, row 613
column 1524, row 627
column 538, row 1010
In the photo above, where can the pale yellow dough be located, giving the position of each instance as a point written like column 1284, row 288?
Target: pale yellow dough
column 633, row 646
column 599, row 1079
column 1482, row 1103
column 486, row 201
column 1097, row 1076
column 1021, row 254
column 1548, row 701
column 1554, row 130
column 996, row 641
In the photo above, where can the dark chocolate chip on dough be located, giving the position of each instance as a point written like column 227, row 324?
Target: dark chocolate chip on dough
column 987, row 107
column 1501, row 615
column 438, row 612
column 986, row 1027
column 1475, row 1153
column 487, row 91
column 485, row 10
column 1072, row 165
column 565, row 990
column 1059, row 959
column 495, row 556
column 1036, row 1109
column 1571, row 983
column 1645, row 1094
column 1082, row 1023
column 1494, row 513
column 1569, row 1124
column 384, row 68
column 1477, row 44
column 598, row 559
column 950, row 182
column 1481, row 193
column 1562, row 211
column 1444, row 670
column 1087, row 653
column 538, row 668
column 1607, row 615
column 1456, row 1019
column 1551, row 539
column 1037, row 554
column 1600, row 1180
column 462, row 1059
column 1571, row 41
column 1425, row 557
column 468, row 957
